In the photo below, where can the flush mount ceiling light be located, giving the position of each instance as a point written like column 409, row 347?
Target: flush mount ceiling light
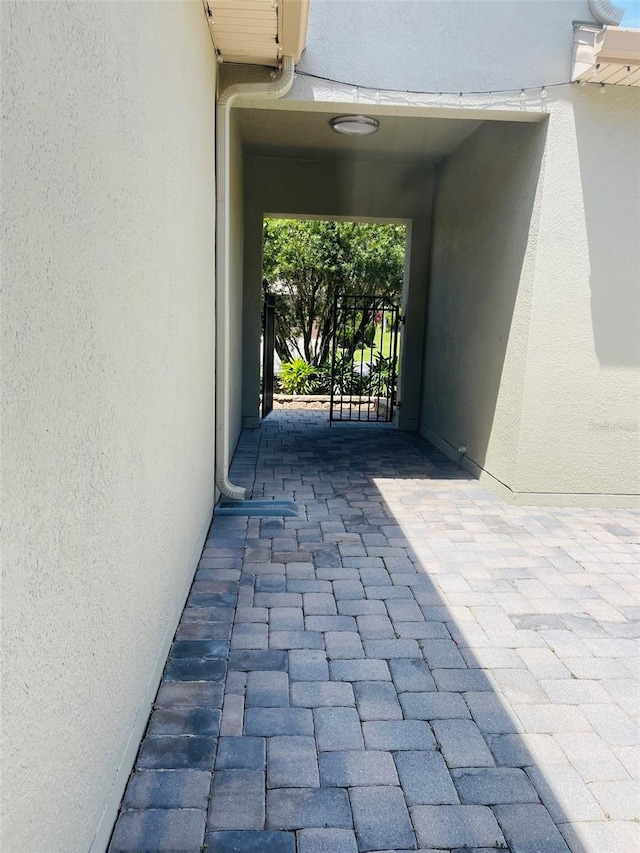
column 354, row 125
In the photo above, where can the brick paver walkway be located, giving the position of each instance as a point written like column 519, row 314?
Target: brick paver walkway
column 411, row 664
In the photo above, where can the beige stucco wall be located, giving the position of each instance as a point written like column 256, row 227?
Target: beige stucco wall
column 280, row 186
column 107, row 482
column 532, row 356
column 581, row 401
column 480, row 280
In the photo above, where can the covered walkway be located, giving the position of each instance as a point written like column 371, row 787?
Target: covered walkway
column 410, row 664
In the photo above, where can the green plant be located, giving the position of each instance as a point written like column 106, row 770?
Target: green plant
column 381, row 372
column 298, row 377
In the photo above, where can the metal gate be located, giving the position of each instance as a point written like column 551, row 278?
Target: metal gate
column 268, row 334
column 364, row 358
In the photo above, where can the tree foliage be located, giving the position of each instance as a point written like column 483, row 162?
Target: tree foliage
column 306, row 262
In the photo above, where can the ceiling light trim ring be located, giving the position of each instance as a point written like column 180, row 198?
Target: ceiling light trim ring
column 354, row 125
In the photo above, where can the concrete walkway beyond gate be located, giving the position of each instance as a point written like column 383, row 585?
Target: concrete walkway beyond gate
column 410, row 664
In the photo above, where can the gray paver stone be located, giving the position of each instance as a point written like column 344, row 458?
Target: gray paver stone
column 411, row 675
column 286, row 619
column 292, row 762
column 442, row 654
column 330, row 623
column 381, row 818
column 301, row 808
column 359, row 768
column 456, row 826
column 425, row 778
column 250, row 841
column 360, row 670
column 528, row 828
column 377, row 700
column 327, row 841
column 267, row 689
column 338, row 728
column 462, row 744
column 167, row 789
column 433, row 706
column 187, row 694
column 296, row 640
column 461, row 680
column 245, row 661
column 190, row 669
column 185, row 721
column 375, row 627
column 343, row 645
column 250, row 635
column 494, row 785
column 237, row 800
column 199, row 649
column 387, row 649
column 319, row 604
column 177, row 753
column 270, row 722
column 241, row 753
column 308, row 665
column 317, row 694
column 404, row 610
column 175, row 830
column 398, row 735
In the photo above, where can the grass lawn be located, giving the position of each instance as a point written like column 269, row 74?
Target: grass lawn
column 365, row 355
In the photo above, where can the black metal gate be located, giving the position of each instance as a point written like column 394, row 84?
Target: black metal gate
column 268, row 335
column 364, row 358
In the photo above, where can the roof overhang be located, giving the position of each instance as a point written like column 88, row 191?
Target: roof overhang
column 610, row 56
column 258, row 32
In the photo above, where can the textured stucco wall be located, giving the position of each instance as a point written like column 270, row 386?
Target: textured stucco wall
column 480, row 280
column 107, row 484
column 341, row 189
column 532, row 357
column 439, row 45
column 581, row 401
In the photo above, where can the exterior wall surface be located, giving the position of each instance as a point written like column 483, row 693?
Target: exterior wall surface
column 480, row 282
column 332, row 189
column 570, row 375
column 437, row 46
column 541, row 386
column 581, row 399
column 107, row 482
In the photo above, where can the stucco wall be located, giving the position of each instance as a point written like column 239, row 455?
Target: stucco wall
column 533, row 354
column 107, row 486
column 480, row 280
column 340, row 189
column 439, row 45
column 581, row 402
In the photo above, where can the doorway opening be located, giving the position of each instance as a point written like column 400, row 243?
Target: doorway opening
column 331, row 323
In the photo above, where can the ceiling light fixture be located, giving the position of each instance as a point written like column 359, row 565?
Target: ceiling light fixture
column 354, row 125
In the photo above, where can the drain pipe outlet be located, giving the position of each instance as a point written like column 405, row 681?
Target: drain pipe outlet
column 239, row 91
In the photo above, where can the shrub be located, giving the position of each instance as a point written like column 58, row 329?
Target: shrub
column 298, row 377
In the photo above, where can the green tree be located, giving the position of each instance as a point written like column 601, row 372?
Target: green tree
column 306, row 262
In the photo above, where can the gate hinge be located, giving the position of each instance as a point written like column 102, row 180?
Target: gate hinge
column 402, row 318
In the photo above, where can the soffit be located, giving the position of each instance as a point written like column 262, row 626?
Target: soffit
column 307, row 135
column 258, row 32
column 610, row 56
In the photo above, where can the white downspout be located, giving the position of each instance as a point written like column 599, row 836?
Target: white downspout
column 254, row 91
column 605, row 12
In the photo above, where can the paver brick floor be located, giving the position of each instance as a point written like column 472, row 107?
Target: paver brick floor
column 410, row 664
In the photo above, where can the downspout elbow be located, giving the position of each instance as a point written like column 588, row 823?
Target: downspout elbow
column 605, row 12
column 239, row 91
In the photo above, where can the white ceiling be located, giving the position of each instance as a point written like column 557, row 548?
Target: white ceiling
column 307, row 135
